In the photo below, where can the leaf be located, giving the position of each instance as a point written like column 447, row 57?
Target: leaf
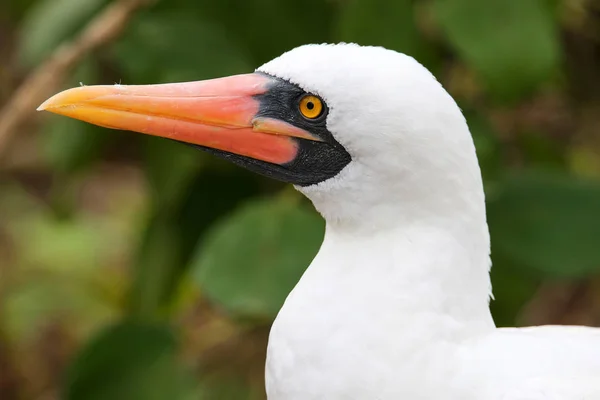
column 64, row 270
column 49, row 23
column 170, row 168
column 512, row 44
column 547, row 223
column 127, row 361
column 213, row 194
column 15, row 9
column 174, row 230
column 486, row 143
column 156, row 50
column 290, row 23
column 541, row 150
column 251, row 260
column 390, row 24
column 512, row 286
column 72, row 145
column 228, row 388
column 157, row 264
column 39, row 299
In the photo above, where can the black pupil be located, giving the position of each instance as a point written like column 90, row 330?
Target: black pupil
column 310, row 105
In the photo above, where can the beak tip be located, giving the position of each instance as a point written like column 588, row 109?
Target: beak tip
column 66, row 98
column 46, row 105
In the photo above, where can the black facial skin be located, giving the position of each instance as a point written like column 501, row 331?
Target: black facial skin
column 315, row 161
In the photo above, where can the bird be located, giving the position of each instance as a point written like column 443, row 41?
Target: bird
column 395, row 304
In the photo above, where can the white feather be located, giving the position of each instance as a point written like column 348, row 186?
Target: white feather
column 395, row 304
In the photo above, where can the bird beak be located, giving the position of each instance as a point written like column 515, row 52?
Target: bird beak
column 222, row 114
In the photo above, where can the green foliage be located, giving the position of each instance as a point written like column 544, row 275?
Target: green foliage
column 542, row 152
column 230, row 388
column 190, row 49
column 486, row 143
column 174, row 228
column 205, row 229
column 127, row 361
column 253, row 259
column 72, row 145
column 15, row 9
column 512, row 288
column 395, row 28
column 265, row 28
column 512, row 44
column 49, row 22
column 170, row 168
column 548, row 223
column 152, row 285
column 208, row 199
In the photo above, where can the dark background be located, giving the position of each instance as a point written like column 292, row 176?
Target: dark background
column 132, row 267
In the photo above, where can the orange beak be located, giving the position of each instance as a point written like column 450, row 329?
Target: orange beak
column 222, row 114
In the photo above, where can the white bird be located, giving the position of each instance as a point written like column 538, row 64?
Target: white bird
column 395, row 304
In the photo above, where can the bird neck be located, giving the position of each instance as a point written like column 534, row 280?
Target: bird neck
column 417, row 273
column 414, row 243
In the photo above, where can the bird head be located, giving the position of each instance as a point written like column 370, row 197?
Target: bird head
column 363, row 127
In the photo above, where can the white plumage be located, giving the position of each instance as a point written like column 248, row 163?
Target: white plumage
column 395, row 304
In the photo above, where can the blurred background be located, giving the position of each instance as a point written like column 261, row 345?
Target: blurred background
column 132, row 267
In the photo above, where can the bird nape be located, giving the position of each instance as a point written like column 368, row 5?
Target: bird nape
column 395, row 304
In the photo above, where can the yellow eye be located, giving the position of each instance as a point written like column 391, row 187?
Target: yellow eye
column 311, row 106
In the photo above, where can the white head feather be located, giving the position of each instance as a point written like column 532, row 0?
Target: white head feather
column 413, row 158
column 395, row 305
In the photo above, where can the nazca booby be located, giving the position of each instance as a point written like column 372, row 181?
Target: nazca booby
column 395, row 304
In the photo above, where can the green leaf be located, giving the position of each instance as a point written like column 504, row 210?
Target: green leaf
column 547, row 223
column 540, row 149
column 72, row 145
column 390, row 24
column 251, row 260
column 128, row 361
column 170, row 168
column 512, row 286
column 486, row 143
column 156, row 50
column 39, row 298
column 512, row 44
column 290, row 23
column 174, row 229
column 15, row 9
column 213, row 194
column 228, row 388
column 157, row 266
column 49, row 23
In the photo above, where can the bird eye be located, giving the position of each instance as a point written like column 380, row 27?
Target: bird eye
column 310, row 106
